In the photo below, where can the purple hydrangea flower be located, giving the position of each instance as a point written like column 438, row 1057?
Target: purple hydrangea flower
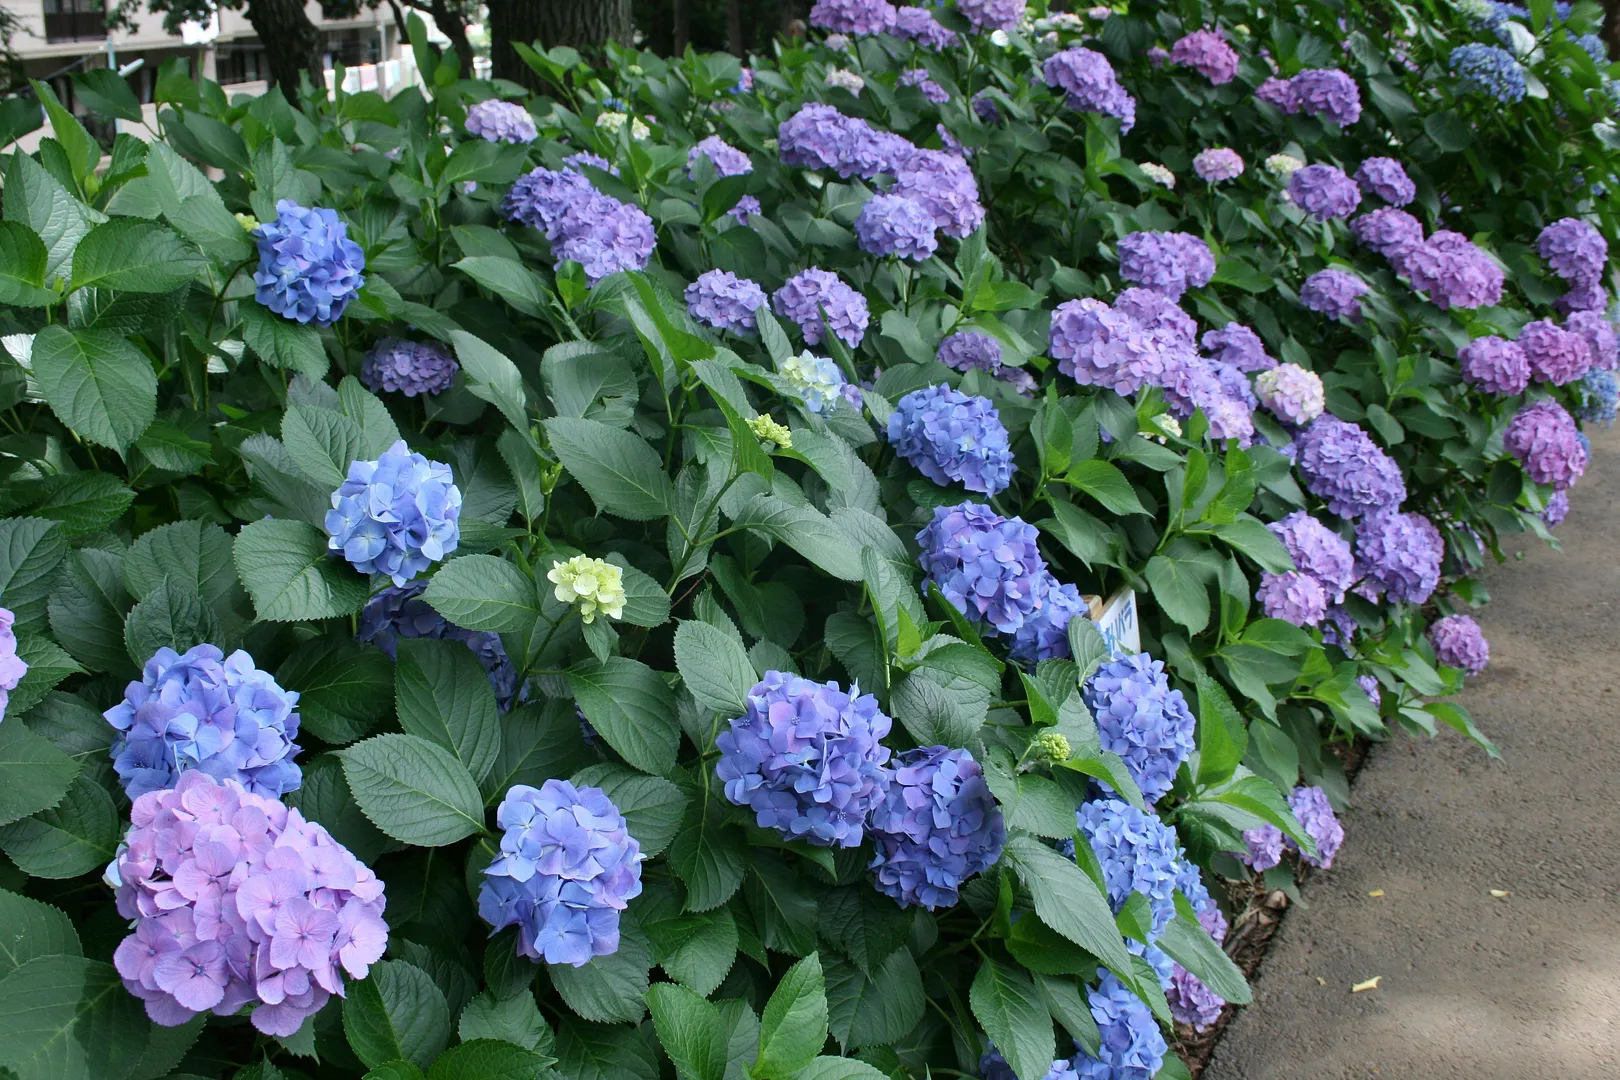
column 1599, row 333
column 603, row 235
column 1495, row 365
column 1324, row 192
column 952, row 437
column 1143, row 719
column 745, row 206
column 1190, row 1001
column 1399, row 554
column 396, row 612
column 1293, row 395
column 986, row 565
column 1316, row 817
column 1486, row 69
column 1458, row 641
column 1138, row 854
column 1238, row 346
column 408, row 367
column 239, row 901
column 970, row 350
column 1369, row 686
column 1293, row 597
column 989, row 15
column 1235, row 385
column 1339, row 628
column 944, row 185
column 1335, row 293
column 1279, row 93
column 1231, row 419
column 1555, row 355
column 986, row 109
column 1343, row 466
column 12, row 666
column 1385, row 178
column 1217, row 164
column 1543, row 436
column 1088, row 80
column 1045, row 634
column 501, row 121
column 931, row 90
column 992, row 1066
column 1583, row 296
column 309, row 269
column 1318, row 551
column 1156, row 312
column 1166, row 262
column 1557, row 509
column 853, row 16
column 721, row 299
column 1328, row 93
column 1132, row 1046
column 727, row 159
column 1452, row 270
column 806, row 758
column 539, row 198
column 205, row 711
column 816, row 137
column 1189, row 383
column 397, row 515
column 1265, row 847
column 1096, row 345
column 1387, row 230
column 935, row 827
column 918, row 24
column 809, row 293
column 595, row 161
column 1207, row 53
column 568, row 867
column 895, row 225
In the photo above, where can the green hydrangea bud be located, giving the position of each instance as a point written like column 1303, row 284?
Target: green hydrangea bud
column 247, row 221
column 768, row 430
column 1052, row 746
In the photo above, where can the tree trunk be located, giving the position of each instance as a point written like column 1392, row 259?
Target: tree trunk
column 583, row 24
column 291, row 43
column 734, row 28
column 1611, row 27
column 450, row 24
column 682, row 34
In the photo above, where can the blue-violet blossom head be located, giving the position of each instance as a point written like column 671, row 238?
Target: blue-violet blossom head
column 309, row 269
column 397, row 515
column 952, row 437
column 935, row 827
column 1143, row 719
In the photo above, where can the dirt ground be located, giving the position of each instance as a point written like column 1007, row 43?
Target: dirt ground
column 1475, row 986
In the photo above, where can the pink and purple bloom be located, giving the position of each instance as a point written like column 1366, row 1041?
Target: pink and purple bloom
column 1458, row 641
column 724, row 301
column 1207, row 53
column 501, row 121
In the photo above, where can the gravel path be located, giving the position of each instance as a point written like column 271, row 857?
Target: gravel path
column 1476, row 987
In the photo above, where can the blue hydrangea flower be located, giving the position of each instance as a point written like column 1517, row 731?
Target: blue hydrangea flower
column 397, row 515
column 992, row 1066
column 206, row 711
column 1324, row 192
column 809, row 293
column 986, row 565
column 1326, row 92
column 1486, row 69
column 1264, row 845
column 395, row 612
column 1132, row 1047
column 895, row 225
column 935, row 827
column 952, row 437
column 1138, row 853
column 1600, row 398
column 1089, row 84
column 309, row 269
column 1045, row 634
column 969, row 350
column 1316, row 817
column 603, row 235
column 568, row 867
column 539, row 198
column 1142, row 719
column 12, row 666
column 942, row 184
column 1238, row 346
column 408, row 367
column 721, row 299
column 806, row 758
column 1168, row 263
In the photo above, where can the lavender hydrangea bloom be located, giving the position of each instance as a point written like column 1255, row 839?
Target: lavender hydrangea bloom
column 806, row 758
column 816, row 137
column 1239, row 346
column 1369, row 686
column 568, row 867
column 239, row 901
column 408, row 367
column 1138, row 854
column 1324, row 192
column 204, row 711
column 1458, row 641
column 989, row 15
column 309, row 269
column 595, row 161
column 1543, row 436
column 1316, row 817
column 1335, row 293
column 1088, row 80
column 1600, row 398
column 539, row 198
column 400, row 612
column 1495, row 365
column 944, row 185
column 952, row 437
column 1318, row 551
column 1045, row 634
column 1218, row 164
column 1132, row 1046
column 1328, row 93
column 1279, row 93
column 1265, row 847
column 721, row 299
column 1583, row 296
column 1166, row 262
column 501, row 121
column 1292, row 597
column 1599, row 333
column 745, row 206
column 727, row 159
column 1340, row 627
column 1557, row 509
column 1143, row 719
column 1399, row 554
column 1207, row 53
column 1235, row 386
column 1191, row 1002
column 810, row 292
column 12, row 666
column 895, row 225
column 1096, row 345
column 987, row 566
column 1189, row 383
column 1452, row 270
column 935, row 827
column 1231, row 419
column 1387, row 230
column 1385, row 178
column 931, row 90
column 1157, row 313
column 397, row 515
column 1294, row 395
column 853, row 16
column 1555, row 355
column 969, row 350
column 918, row 24
column 1486, row 69
column 1343, row 466
column 603, row 235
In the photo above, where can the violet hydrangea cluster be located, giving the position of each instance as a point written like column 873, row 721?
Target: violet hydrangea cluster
column 1452, row 269
column 205, row 712
column 1238, row 346
column 309, row 269
column 1316, row 817
column 397, row 515
column 721, row 299
column 1207, row 53
column 1334, row 293
column 918, row 24
column 1576, row 252
column 853, row 16
column 1387, row 231
column 603, row 235
column 1317, row 551
column 807, row 759
column 1543, row 436
column 1143, row 719
column 1343, row 466
column 1045, row 634
column 408, row 367
column 1293, row 597
column 1324, row 192
column 936, row 826
column 726, row 159
column 930, row 89
column 396, row 612
column 987, row 566
column 970, row 350
column 1495, row 365
column 944, row 185
column 1387, row 179
column 952, row 437
column 1138, row 853
column 1217, row 164
column 820, row 137
column 1398, row 554
column 895, row 225
column 1131, row 1045
column 1166, row 262
column 238, row 902
column 809, row 294
column 539, row 198
column 12, row 666
column 1293, row 394
column 568, row 867
column 501, row 121
column 1458, row 641
column 1599, row 333
column 1089, row 82
column 1327, row 93
column 990, row 15
column 1555, row 355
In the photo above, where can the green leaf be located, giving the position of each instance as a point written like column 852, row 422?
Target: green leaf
column 34, row 774
column 30, row 929
column 600, row 1052
column 47, row 664
column 194, row 552
column 87, row 610
column 1103, row 481
column 96, row 383
column 714, row 667
column 34, row 198
column 610, row 988
column 806, row 531
column 194, row 208
column 696, row 949
column 396, row 1013
column 413, row 790
column 68, row 1018
column 690, row 1031
column 875, row 1009
column 1221, row 734
column 493, row 378
column 1069, row 1007
column 286, row 569
column 828, row 1067
column 83, row 502
column 343, row 689
column 324, row 796
column 1190, row 945
column 652, row 806
column 632, row 708
column 1259, row 543
column 321, row 442
column 489, row 1059
column 30, row 551
column 537, row 742
column 378, row 431
column 1179, row 589
column 136, row 256
column 863, row 924
column 443, row 695
column 172, row 617
column 395, row 1070
column 107, row 94
column 515, row 1019
column 621, row 473
column 709, row 858
column 78, row 835
column 1449, row 130
column 483, row 592
column 82, row 151
column 1014, row 1016
column 283, row 343
column 645, row 602
column 508, row 279
column 23, row 259
column 793, row 1027
column 1067, row 900
column 1044, row 951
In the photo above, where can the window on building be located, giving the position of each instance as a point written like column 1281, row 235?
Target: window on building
column 351, row 48
column 73, row 20
column 241, row 62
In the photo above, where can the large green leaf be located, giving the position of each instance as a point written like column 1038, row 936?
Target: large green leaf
column 413, row 790
column 193, row 207
column 396, row 1013
column 171, row 616
column 443, row 695
column 1067, row 900
column 134, row 256
column 793, row 1027
column 283, row 343
column 195, row 552
column 78, row 835
column 343, row 689
column 64, row 1017
column 515, row 1019
column 652, row 806
column 35, row 198
column 1014, row 1016
column 538, row 742
column 30, row 551
column 96, row 383
column 489, row 1059
column 287, row 570
column 30, row 929
column 34, row 774
column 806, row 531
column 611, row 988
column 23, row 259
column 321, row 442
column 493, row 378
column 87, row 610
column 1190, row 945
column 690, row 1031
column 863, row 924
column 874, row 1009
column 696, row 949
column 483, row 592
column 714, row 667
column 632, row 708
column 620, row 472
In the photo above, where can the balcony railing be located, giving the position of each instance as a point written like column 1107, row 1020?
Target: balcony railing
column 74, row 26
